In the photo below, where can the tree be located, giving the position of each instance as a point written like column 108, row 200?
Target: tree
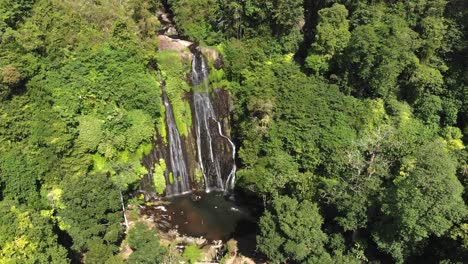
column 424, row 201
column 91, row 210
column 28, row 237
column 331, row 38
column 13, row 12
column 200, row 25
column 378, row 52
column 145, row 245
column 90, row 132
column 11, row 75
column 98, row 252
column 10, row 78
column 291, row 230
column 358, row 186
column 287, row 13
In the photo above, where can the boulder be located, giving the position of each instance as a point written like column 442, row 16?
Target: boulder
column 178, row 45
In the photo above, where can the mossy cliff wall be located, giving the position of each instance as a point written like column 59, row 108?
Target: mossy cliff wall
column 174, row 66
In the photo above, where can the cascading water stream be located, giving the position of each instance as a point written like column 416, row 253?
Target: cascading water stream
column 179, row 182
column 209, row 161
column 232, row 175
column 204, row 113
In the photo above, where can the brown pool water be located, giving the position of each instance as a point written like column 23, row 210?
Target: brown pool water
column 211, row 215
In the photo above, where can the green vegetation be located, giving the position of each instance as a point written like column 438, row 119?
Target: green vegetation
column 78, row 111
column 145, row 245
column 173, row 72
column 158, row 177
column 192, row 253
column 283, row 232
column 350, row 117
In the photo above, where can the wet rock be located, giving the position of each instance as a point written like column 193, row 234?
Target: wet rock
column 167, row 43
column 195, row 197
column 173, row 233
column 200, row 241
column 162, row 208
column 214, row 55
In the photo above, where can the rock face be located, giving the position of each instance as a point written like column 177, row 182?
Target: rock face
column 168, row 25
column 183, row 48
column 213, row 146
column 167, row 43
column 212, row 54
column 204, row 158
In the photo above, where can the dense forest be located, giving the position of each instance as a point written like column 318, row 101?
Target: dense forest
column 350, row 117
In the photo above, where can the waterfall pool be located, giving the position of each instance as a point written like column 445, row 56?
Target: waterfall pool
column 211, row 215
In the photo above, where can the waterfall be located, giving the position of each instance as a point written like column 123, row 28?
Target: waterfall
column 207, row 129
column 179, row 177
column 232, row 175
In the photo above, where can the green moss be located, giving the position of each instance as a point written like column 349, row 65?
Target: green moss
column 174, row 72
column 158, row 177
column 171, row 63
column 192, row 253
column 175, row 88
column 183, row 118
column 171, row 178
column 198, row 175
column 161, row 126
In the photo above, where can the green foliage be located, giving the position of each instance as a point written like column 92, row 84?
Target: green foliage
column 98, row 252
column 90, row 132
column 173, row 69
column 19, row 178
column 192, row 253
column 332, row 30
column 13, row 13
column 282, row 232
column 95, row 215
column 378, row 53
column 273, row 174
column 196, row 25
column 158, row 177
column 140, row 130
column 429, row 188
column 28, row 237
column 331, row 38
column 77, row 115
column 145, row 245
